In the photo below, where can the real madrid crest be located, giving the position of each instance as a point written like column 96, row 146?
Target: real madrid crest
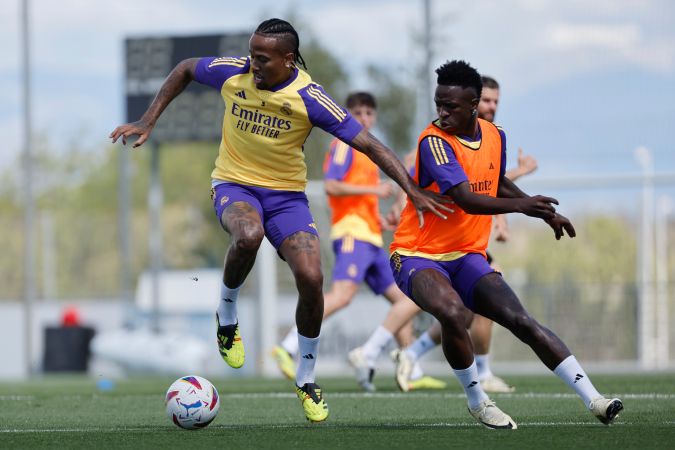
column 286, row 109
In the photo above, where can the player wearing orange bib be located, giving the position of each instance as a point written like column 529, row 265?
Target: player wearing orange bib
column 443, row 266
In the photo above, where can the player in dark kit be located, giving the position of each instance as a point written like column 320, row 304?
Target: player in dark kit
column 258, row 183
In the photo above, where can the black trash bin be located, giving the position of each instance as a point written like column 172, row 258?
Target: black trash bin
column 67, row 348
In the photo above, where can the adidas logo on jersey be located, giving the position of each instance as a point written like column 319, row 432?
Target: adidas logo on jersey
column 241, row 94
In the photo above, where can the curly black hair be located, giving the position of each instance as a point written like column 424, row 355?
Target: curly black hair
column 285, row 31
column 459, row 73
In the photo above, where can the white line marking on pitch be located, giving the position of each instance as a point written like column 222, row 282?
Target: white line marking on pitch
column 303, row 426
column 395, row 395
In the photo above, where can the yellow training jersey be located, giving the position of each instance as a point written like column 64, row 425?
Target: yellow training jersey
column 264, row 130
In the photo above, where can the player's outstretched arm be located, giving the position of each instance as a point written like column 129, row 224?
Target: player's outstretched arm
column 526, row 165
column 174, row 84
column 389, row 163
column 536, row 206
column 340, row 188
column 508, row 189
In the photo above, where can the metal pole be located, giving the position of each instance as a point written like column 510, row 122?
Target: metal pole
column 155, row 200
column 662, row 317
column 646, row 317
column 29, row 292
column 124, row 230
column 428, row 110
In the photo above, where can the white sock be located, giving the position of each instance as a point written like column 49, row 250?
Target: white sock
column 375, row 344
column 483, row 365
column 417, row 372
column 290, row 342
column 469, row 379
column 227, row 308
column 570, row 372
column 423, row 344
column 307, row 359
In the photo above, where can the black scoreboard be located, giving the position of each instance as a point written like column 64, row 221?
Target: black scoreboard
column 197, row 113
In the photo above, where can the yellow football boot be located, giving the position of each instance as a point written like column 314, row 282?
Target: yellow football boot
column 230, row 345
column 284, row 361
column 426, row 383
column 315, row 407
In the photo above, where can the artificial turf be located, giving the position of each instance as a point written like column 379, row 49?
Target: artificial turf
column 71, row 412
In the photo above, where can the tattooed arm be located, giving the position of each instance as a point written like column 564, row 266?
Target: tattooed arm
column 174, row 84
column 387, row 161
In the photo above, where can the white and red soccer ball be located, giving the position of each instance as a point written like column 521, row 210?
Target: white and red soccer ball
column 192, row 402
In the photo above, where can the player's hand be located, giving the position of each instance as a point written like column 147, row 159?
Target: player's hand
column 386, row 222
column 427, row 201
column 139, row 128
column 384, row 190
column 500, row 228
column 391, row 220
column 538, row 206
column 560, row 225
column 526, row 163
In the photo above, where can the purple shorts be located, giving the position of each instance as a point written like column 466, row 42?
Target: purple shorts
column 283, row 213
column 463, row 273
column 358, row 261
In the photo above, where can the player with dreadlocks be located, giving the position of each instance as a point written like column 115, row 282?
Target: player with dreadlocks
column 444, row 268
column 259, row 179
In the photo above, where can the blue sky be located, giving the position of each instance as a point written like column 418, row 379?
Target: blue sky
column 582, row 86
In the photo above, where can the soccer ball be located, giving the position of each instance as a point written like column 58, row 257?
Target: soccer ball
column 192, row 402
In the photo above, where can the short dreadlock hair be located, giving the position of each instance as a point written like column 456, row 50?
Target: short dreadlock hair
column 459, row 73
column 285, row 31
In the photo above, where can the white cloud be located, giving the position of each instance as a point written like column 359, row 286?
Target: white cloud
column 594, row 36
column 624, row 44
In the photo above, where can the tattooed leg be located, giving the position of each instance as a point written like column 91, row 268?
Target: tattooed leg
column 242, row 222
column 301, row 251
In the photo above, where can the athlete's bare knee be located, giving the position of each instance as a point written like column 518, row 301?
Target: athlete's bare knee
column 249, row 239
column 309, row 278
column 451, row 316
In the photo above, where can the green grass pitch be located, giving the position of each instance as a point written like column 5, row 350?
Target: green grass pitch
column 69, row 412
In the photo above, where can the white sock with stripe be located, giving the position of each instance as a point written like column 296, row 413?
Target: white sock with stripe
column 570, row 371
column 422, row 345
column 227, row 308
column 307, row 348
column 469, row 380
